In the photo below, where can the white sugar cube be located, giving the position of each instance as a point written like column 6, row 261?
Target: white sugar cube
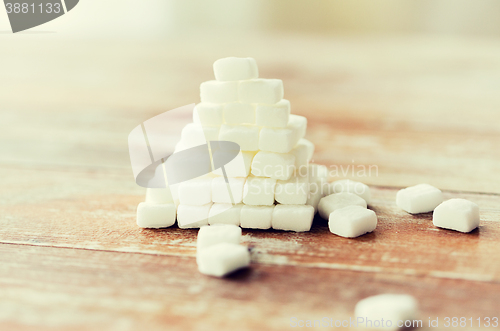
column 208, row 114
column 194, row 135
column 246, row 136
column 273, row 165
column 224, row 213
column 392, row 308
column 153, row 215
column 239, row 166
column 196, row 192
column 457, row 214
column 256, row 217
column 259, row 191
column 235, row 68
column 332, row 202
column 296, row 218
column 273, row 116
column 159, row 195
column 189, row 217
column 220, row 192
column 283, row 140
column 351, row 186
column 421, row 198
column 314, row 196
column 222, row 233
column 219, row 92
column 239, row 113
column 293, row 191
column 221, row 259
column 269, row 91
column 352, row 221
column 303, row 153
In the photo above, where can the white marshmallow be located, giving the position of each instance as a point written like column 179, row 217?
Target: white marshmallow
column 390, row 307
column 235, row 68
column 352, row 221
column 296, row 218
column 283, row 140
column 299, row 125
column 457, row 214
column 273, row 116
column 222, row 233
column 421, row 198
column 208, row 114
column 221, row 259
column 303, row 153
column 269, row 91
column 259, row 191
column 239, row 166
column 219, row 92
column 316, row 172
column 332, row 202
column 293, row 191
column 194, row 135
column 273, row 165
column 314, row 196
column 224, row 213
column 220, row 193
column 256, row 217
column 246, row 136
column 153, row 215
column 239, row 113
column 189, row 217
column 196, row 192
column 351, row 186
column 159, row 195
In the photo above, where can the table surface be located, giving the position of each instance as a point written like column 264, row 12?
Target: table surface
column 418, row 109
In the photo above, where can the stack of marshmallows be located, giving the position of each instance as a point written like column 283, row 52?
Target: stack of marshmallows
column 270, row 183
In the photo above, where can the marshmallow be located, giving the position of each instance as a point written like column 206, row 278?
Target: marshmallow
column 224, row 213
column 273, row 165
column 352, row 221
column 221, row 259
column 299, row 125
column 314, row 196
column 256, row 217
column 194, row 135
column 234, row 68
column 239, row 166
column 273, row 116
column 239, row 113
column 159, row 195
column 296, row 218
column 220, row 193
column 189, row 217
column 208, row 114
column 283, row 140
column 219, row 92
column 332, row 202
column 153, row 215
column 421, row 198
column 259, row 191
column 246, row 136
column 196, row 192
column 222, row 233
column 392, row 308
column 303, row 153
column 268, row 91
column 457, row 214
column 350, row 186
column 293, row 191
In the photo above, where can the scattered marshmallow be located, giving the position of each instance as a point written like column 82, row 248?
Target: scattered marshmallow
column 246, row 136
column 219, row 92
column 296, row 218
column 221, row 259
column 220, row 192
column 196, row 192
column 332, row 202
column 293, row 191
column 352, row 221
column 208, row 114
column 212, row 235
column 417, row 199
column 239, row 113
column 159, row 195
column 234, row 68
column 268, row 91
column 189, row 217
column 392, row 308
column 239, row 166
column 153, row 215
column 351, row 186
column 224, row 213
column 256, row 217
column 457, row 214
column 273, row 165
column 273, row 116
column 259, row 191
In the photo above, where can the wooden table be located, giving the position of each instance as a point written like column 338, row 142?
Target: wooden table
column 419, row 109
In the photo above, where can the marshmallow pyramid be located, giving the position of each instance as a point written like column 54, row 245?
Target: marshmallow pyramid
column 269, row 184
